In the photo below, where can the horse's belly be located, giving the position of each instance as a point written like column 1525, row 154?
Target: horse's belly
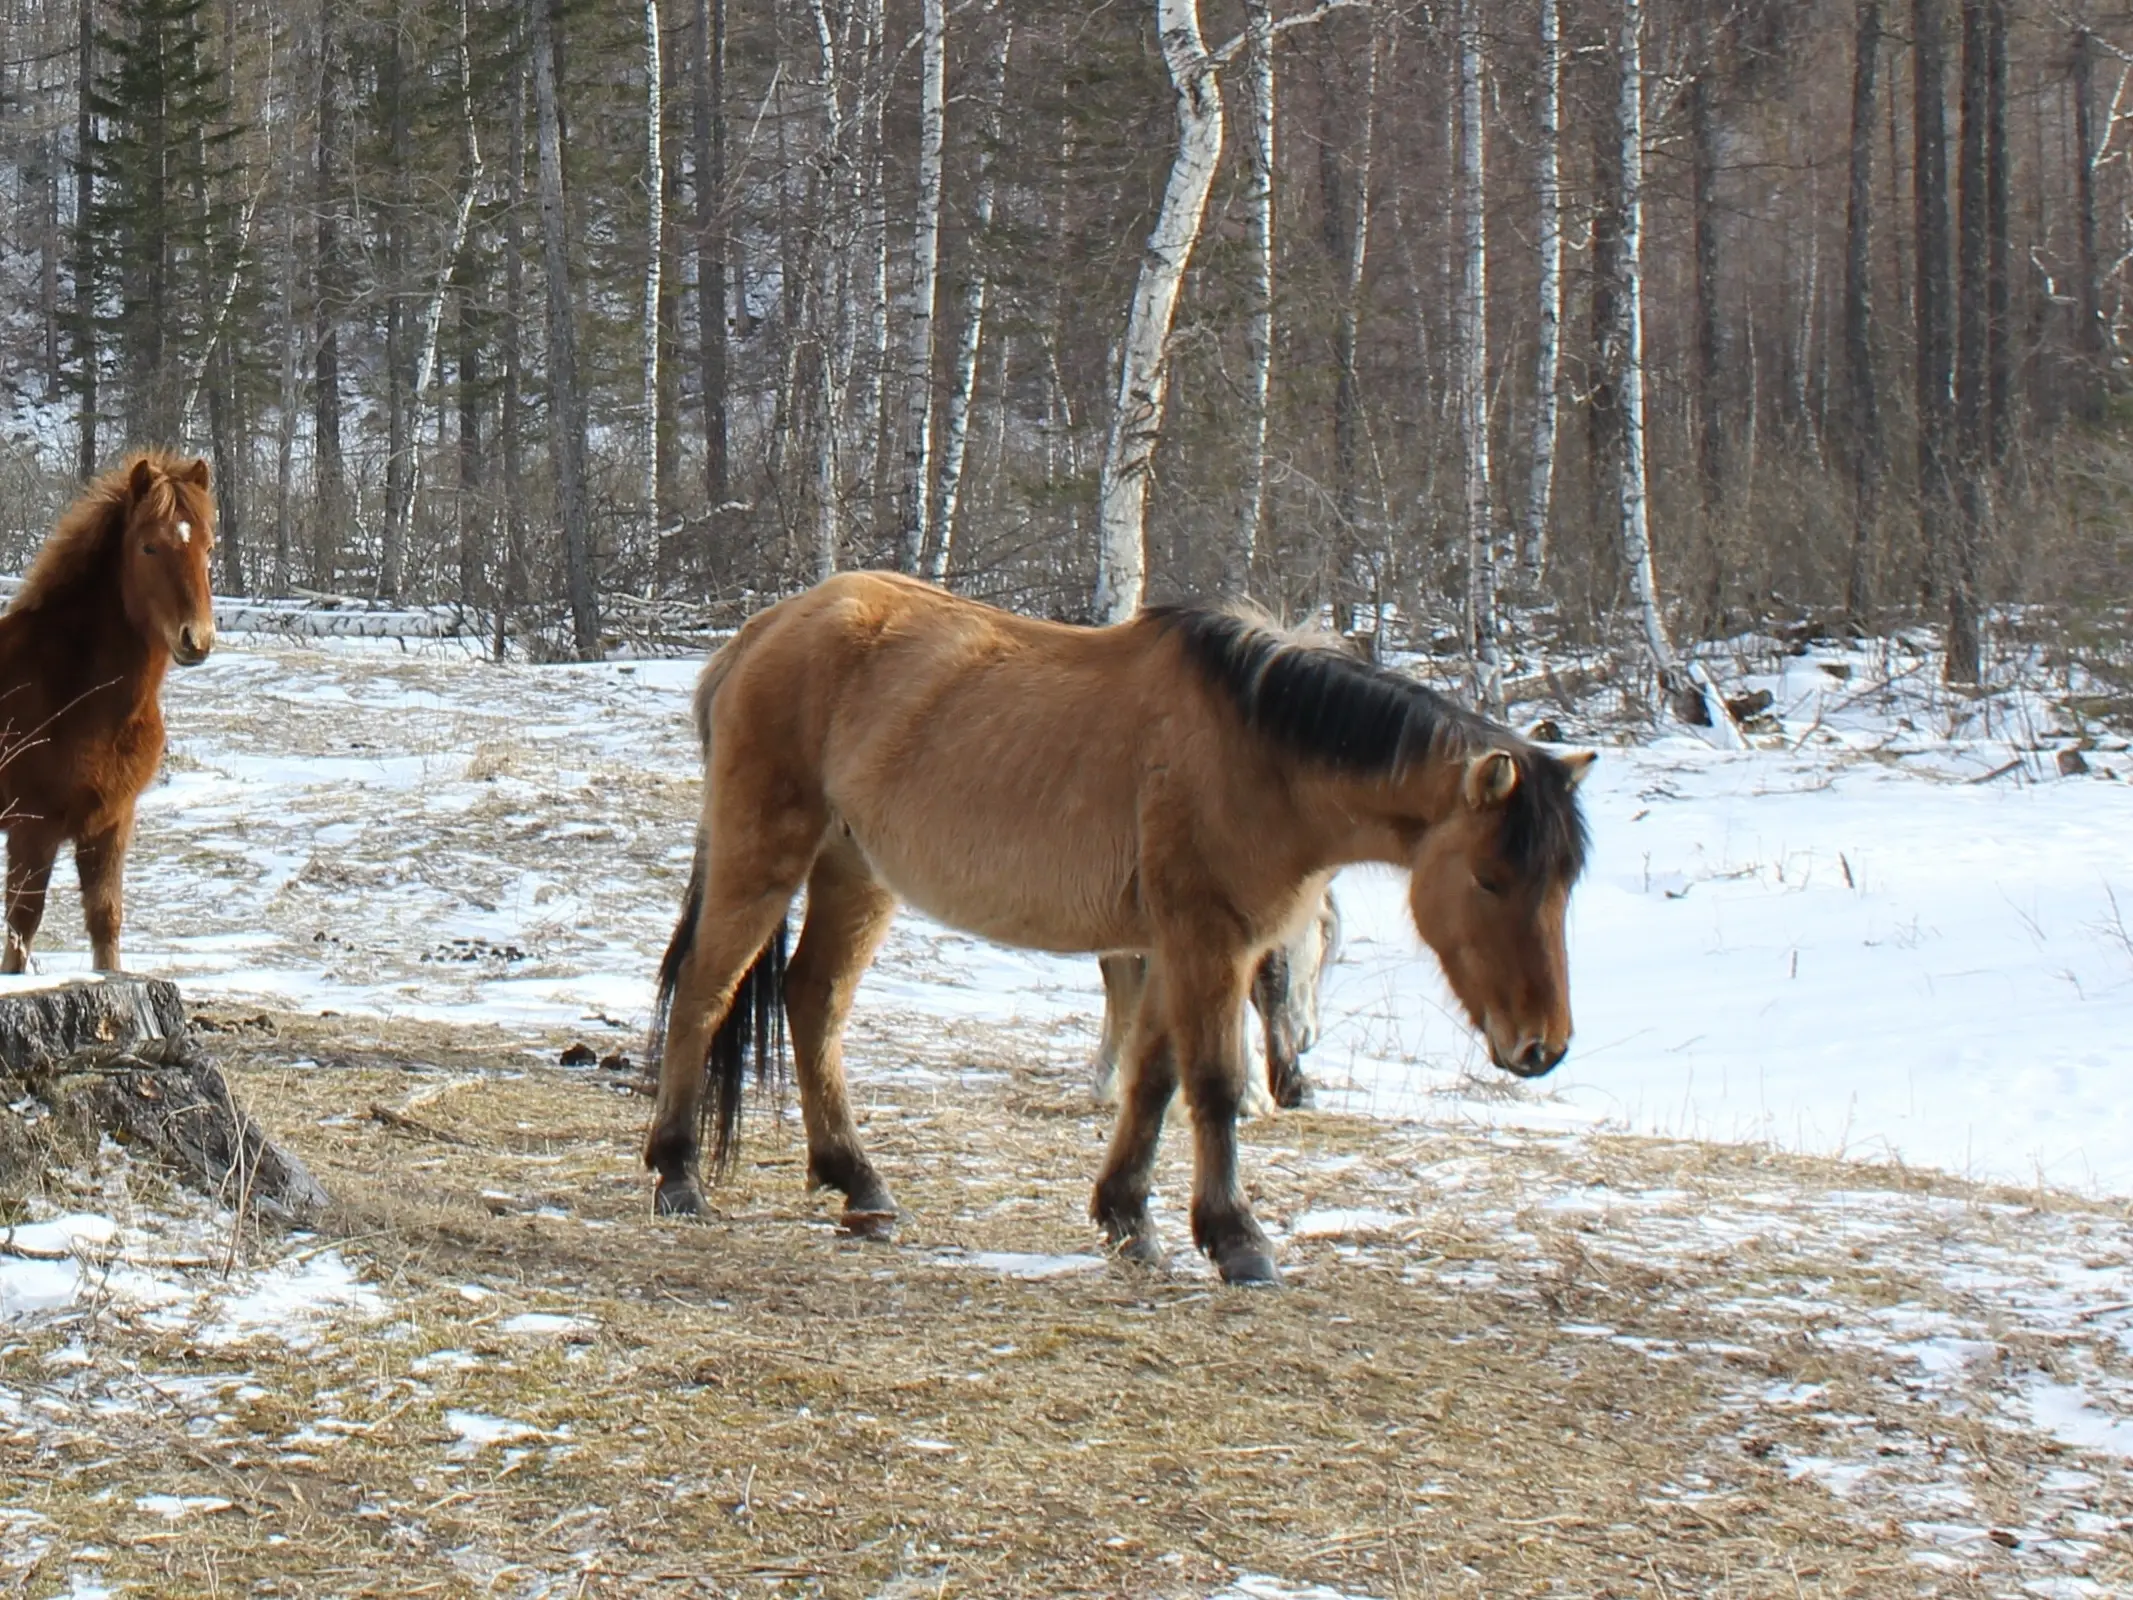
column 1060, row 906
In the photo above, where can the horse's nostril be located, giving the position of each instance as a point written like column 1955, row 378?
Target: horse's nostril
column 1537, row 1058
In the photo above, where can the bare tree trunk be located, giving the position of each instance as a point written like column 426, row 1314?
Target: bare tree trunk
column 1998, row 357
column 1635, row 524
column 566, row 412
column 1549, row 338
column 510, row 420
column 1259, row 333
column 1481, row 624
column 1703, row 175
column 2089, row 345
column 401, row 410
column 1347, row 386
column 330, row 487
column 85, row 240
column 955, row 431
column 914, row 512
column 291, row 382
column 1144, row 370
column 410, row 479
column 1868, row 462
column 1950, row 466
column 655, row 185
column 709, row 129
column 871, row 362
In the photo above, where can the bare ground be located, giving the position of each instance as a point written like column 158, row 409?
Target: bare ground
column 1521, row 1366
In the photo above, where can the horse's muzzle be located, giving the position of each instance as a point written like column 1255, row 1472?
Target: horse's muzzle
column 1533, row 1059
column 192, row 646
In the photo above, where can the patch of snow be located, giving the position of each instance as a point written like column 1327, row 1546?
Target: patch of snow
column 476, row 1431
column 288, row 1302
column 1016, row 1264
column 2069, row 1414
column 1352, row 1223
column 1257, row 1586
column 545, row 1323
column 175, row 1506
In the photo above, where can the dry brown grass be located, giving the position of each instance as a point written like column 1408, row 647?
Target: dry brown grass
column 760, row 1405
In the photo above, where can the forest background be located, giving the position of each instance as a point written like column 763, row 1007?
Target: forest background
column 1489, row 327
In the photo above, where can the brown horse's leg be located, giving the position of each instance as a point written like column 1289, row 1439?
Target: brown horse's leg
column 1204, row 1001
column 758, row 855
column 1125, row 977
column 30, row 853
column 1149, row 1074
column 100, row 863
column 1285, row 1081
column 848, row 912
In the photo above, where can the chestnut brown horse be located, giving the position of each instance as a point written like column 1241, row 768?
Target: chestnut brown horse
column 1182, row 785
column 117, row 593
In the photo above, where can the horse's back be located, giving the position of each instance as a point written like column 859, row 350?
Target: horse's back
column 990, row 766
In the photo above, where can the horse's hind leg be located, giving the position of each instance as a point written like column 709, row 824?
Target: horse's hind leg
column 741, row 888
column 848, row 912
column 1274, row 998
column 30, row 853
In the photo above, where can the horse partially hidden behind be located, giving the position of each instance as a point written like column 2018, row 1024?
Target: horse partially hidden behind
column 1284, row 992
column 117, row 593
column 1181, row 785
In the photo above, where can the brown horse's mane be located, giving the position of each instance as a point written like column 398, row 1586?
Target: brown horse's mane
column 86, row 533
column 1361, row 718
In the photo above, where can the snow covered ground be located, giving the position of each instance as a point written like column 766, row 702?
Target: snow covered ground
column 1851, row 940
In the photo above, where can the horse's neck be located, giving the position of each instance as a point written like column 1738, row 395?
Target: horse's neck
column 1352, row 817
column 80, row 641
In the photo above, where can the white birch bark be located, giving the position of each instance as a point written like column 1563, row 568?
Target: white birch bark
column 1474, row 369
column 1548, row 344
column 1137, row 419
column 831, row 310
column 913, row 514
column 1676, row 684
column 655, row 178
column 955, row 430
column 1259, row 335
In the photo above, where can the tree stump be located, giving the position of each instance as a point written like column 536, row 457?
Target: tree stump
column 113, row 1055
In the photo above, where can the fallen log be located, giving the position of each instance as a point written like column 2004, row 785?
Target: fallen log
column 113, row 1055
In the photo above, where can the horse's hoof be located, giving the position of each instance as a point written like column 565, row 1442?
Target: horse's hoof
column 677, row 1198
column 1143, row 1247
column 869, row 1224
column 1247, row 1267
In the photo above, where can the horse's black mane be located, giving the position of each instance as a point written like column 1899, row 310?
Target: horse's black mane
column 1329, row 706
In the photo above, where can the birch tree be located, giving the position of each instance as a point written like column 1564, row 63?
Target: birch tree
column 1629, row 337
column 913, row 514
column 1259, row 330
column 708, row 134
column 1548, row 340
column 955, row 428
column 1143, row 367
column 566, row 411
column 655, row 182
column 1474, row 367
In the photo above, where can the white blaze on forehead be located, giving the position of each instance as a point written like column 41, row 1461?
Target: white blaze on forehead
column 185, row 533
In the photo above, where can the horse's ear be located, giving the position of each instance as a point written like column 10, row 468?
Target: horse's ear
column 1579, row 764
column 143, row 479
column 1490, row 778
column 196, row 474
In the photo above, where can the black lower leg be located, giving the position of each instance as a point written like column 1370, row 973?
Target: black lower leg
column 847, row 1170
column 1120, row 1203
column 1222, row 1222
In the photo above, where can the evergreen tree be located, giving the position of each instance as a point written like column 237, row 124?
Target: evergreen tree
column 159, row 206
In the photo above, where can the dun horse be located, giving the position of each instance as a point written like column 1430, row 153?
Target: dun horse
column 1182, row 785
column 118, row 592
column 1284, row 992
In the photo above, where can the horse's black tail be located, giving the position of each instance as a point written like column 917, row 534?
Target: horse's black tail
column 753, row 1027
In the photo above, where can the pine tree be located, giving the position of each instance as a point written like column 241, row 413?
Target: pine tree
column 159, row 204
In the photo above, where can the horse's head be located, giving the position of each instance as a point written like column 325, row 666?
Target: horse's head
column 170, row 530
column 1490, row 888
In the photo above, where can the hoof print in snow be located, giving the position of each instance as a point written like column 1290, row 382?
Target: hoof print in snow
column 114, row 1056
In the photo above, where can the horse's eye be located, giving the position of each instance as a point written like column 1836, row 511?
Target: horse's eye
column 149, row 547
column 1491, row 887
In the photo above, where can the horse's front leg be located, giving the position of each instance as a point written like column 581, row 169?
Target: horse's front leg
column 1204, row 1001
column 30, row 853
column 1148, row 1079
column 100, row 863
